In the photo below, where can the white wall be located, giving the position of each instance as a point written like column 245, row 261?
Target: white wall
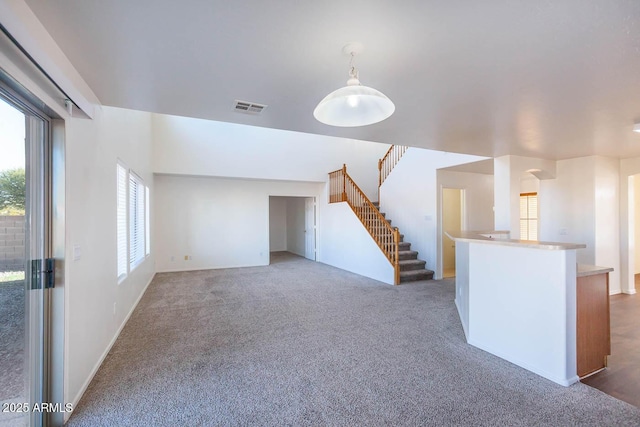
column 96, row 305
column 218, row 222
column 202, row 147
column 567, row 206
column 503, row 183
column 636, row 222
column 277, row 224
column 607, row 218
column 510, row 179
column 410, row 197
column 582, row 206
column 295, row 225
column 93, row 306
column 529, row 184
column 346, row 244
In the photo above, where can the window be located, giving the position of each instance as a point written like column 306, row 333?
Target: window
column 137, row 215
column 132, row 221
column 147, row 232
column 122, row 222
column 529, row 216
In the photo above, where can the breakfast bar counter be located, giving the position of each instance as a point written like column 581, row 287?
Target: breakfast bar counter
column 517, row 300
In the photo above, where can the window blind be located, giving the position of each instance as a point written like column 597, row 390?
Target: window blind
column 136, row 220
column 146, row 221
column 529, row 216
column 122, row 222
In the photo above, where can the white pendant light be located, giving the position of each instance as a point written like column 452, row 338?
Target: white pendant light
column 354, row 104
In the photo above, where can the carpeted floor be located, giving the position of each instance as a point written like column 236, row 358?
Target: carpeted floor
column 12, row 340
column 12, row 343
column 301, row 343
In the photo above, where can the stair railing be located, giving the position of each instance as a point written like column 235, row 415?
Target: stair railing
column 388, row 162
column 343, row 189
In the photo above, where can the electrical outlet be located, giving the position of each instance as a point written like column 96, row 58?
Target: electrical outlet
column 173, row 258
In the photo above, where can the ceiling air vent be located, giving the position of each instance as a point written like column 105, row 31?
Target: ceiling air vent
column 248, row 107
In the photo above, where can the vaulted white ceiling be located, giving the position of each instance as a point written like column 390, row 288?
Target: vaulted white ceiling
column 548, row 78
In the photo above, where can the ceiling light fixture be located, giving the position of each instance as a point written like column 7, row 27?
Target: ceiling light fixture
column 636, row 127
column 354, row 104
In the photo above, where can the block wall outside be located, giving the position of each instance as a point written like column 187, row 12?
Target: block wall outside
column 12, row 241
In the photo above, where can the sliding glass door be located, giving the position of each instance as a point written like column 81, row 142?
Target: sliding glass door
column 25, row 277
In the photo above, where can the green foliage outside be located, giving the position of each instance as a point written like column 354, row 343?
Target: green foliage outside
column 12, row 192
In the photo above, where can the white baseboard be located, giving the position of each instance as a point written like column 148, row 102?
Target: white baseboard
column 85, row 385
column 180, row 270
column 629, row 291
column 535, row 369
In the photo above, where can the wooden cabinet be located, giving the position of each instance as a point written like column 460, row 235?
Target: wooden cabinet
column 593, row 339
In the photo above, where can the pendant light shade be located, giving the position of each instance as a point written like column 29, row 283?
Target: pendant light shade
column 354, row 104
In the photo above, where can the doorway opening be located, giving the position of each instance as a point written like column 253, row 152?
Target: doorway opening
column 621, row 378
column 633, row 280
column 292, row 225
column 452, row 222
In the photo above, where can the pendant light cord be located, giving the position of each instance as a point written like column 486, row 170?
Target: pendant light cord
column 353, row 73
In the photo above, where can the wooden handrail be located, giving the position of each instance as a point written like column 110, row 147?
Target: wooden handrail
column 388, row 162
column 343, row 189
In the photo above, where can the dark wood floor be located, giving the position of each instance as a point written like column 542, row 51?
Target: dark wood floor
column 621, row 378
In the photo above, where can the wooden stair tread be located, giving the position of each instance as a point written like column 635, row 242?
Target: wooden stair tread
column 415, row 275
column 411, row 261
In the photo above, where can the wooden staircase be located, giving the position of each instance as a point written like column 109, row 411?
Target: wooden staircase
column 411, row 268
column 407, row 267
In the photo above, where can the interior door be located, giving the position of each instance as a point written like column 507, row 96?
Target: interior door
column 310, row 228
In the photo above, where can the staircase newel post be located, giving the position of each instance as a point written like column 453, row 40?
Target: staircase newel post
column 344, row 182
column 396, row 258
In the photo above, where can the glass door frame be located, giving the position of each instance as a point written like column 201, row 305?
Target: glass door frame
column 38, row 247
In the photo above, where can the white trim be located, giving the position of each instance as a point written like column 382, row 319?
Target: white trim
column 180, row 270
column 25, row 27
column 85, row 385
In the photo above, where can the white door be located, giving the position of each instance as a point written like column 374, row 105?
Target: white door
column 310, row 228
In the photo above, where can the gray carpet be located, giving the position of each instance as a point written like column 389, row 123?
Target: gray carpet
column 12, row 341
column 301, row 343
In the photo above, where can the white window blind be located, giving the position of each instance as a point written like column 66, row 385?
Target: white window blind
column 136, row 220
column 146, row 222
column 122, row 222
column 529, row 216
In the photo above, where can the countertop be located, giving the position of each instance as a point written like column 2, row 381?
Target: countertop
column 475, row 236
column 592, row 270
